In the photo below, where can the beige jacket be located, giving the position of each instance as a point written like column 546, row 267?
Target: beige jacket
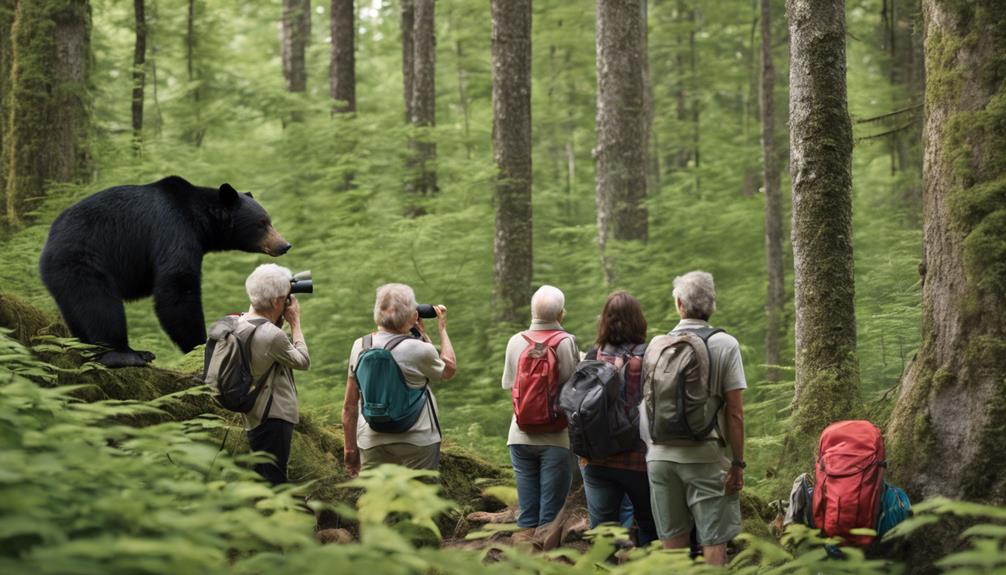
column 273, row 352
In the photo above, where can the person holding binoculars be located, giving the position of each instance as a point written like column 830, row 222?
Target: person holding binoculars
column 390, row 373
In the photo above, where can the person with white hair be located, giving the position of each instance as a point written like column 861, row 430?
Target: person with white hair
column 415, row 441
column 273, row 356
column 697, row 483
column 538, row 439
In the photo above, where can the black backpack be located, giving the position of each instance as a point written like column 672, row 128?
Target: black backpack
column 600, row 423
column 227, row 365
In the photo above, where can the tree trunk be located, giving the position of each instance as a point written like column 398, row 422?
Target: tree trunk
column 408, row 22
column 424, row 103
column 343, row 71
column 48, row 120
column 774, row 329
column 139, row 73
column 296, row 32
column 827, row 370
column 620, row 151
column 652, row 157
column 946, row 432
column 197, row 132
column 511, row 77
column 6, row 53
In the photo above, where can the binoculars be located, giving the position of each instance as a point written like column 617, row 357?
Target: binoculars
column 301, row 283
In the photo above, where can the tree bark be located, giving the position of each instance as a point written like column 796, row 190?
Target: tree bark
column 776, row 297
column 45, row 137
column 7, row 8
column 620, row 151
column 296, row 33
column 343, row 71
column 952, row 400
column 424, row 103
column 197, row 132
column 511, row 78
column 139, row 73
column 827, row 370
column 408, row 22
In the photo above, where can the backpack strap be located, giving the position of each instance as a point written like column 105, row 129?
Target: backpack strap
column 393, row 342
column 368, row 342
column 592, row 354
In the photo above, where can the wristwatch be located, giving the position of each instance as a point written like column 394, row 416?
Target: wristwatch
column 739, row 463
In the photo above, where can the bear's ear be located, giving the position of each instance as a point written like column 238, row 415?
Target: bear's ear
column 249, row 194
column 228, row 195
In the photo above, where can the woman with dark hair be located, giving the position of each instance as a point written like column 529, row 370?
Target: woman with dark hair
column 621, row 341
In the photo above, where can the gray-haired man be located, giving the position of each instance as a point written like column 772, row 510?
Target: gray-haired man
column 696, row 483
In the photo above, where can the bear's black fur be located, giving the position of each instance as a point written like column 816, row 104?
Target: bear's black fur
column 129, row 242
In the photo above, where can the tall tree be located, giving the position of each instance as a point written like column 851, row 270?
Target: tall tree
column 296, row 30
column 408, row 22
column 776, row 297
column 139, row 72
column 424, row 94
column 620, row 151
column 511, row 78
column 48, row 116
column 343, row 71
column 6, row 55
column 952, row 400
column 197, row 131
column 827, row 369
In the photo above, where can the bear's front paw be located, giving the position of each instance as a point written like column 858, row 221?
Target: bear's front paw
column 115, row 359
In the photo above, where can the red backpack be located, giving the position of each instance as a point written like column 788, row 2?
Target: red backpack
column 849, row 480
column 536, row 388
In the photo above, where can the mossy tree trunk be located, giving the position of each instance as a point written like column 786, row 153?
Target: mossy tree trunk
column 776, row 296
column 342, row 75
column 947, row 429
column 511, row 77
column 49, row 105
column 423, row 105
column 827, row 370
column 407, row 23
column 6, row 53
column 139, row 72
column 621, row 125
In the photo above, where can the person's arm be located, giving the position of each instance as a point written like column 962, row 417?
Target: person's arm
column 509, row 367
column 446, row 349
column 350, row 418
column 735, row 437
column 291, row 354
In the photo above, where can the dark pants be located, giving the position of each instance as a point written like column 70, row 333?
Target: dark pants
column 272, row 436
column 606, row 489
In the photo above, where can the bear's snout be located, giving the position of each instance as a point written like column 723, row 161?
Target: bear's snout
column 274, row 244
column 283, row 249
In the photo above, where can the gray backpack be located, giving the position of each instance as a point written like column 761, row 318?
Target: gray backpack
column 677, row 386
column 227, row 364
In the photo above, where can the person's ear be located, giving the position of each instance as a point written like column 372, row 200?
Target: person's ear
column 562, row 315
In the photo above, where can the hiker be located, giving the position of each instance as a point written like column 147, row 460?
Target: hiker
column 390, row 373
column 274, row 356
column 537, row 362
column 695, row 461
column 608, row 481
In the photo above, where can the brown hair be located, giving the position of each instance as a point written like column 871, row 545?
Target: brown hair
column 621, row 321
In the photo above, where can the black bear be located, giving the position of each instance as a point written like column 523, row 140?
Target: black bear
column 129, row 242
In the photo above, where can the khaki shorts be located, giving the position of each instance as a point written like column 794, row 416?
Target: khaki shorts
column 687, row 494
column 404, row 454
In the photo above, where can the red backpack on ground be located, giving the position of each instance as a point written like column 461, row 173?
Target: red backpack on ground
column 849, row 480
column 536, row 387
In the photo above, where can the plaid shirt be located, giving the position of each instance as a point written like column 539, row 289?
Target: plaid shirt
column 632, row 394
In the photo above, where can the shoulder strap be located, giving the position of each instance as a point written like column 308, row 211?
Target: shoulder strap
column 592, row 354
column 368, row 342
column 393, row 342
column 557, row 338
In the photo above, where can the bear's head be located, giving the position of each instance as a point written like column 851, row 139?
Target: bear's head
column 246, row 225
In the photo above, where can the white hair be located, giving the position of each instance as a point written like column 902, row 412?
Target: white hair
column 266, row 283
column 548, row 303
column 394, row 306
column 697, row 294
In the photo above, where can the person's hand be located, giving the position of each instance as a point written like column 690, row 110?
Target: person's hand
column 422, row 331
column 292, row 312
column 441, row 317
column 351, row 458
column 734, row 481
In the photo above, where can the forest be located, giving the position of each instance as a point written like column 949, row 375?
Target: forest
column 838, row 166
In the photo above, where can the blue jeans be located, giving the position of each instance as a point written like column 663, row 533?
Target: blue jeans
column 543, row 478
column 606, row 489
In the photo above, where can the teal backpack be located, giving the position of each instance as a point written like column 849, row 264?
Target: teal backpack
column 390, row 405
column 894, row 508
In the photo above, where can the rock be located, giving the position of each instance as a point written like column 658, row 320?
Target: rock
column 327, row 536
